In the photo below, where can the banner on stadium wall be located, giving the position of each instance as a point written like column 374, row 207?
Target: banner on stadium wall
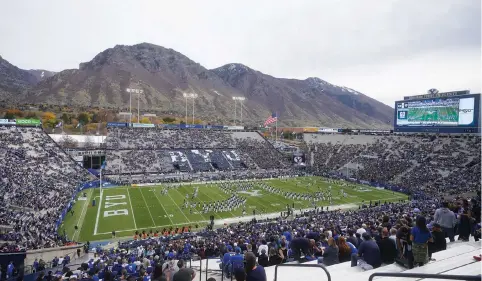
column 191, row 126
column 28, row 122
column 116, row 124
column 328, row 130
column 169, row 126
column 7, row 121
column 374, row 131
column 235, row 127
column 142, row 125
column 310, row 130
column 214, row 127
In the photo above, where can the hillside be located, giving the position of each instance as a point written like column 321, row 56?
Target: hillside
column 164, row 75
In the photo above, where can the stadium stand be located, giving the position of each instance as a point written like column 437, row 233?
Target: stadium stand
column 38, row 180
column 158, row 151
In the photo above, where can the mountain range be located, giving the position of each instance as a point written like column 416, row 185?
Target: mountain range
column 164, row 75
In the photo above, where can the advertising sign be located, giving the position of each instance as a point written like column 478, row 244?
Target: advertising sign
column 7, row 122
column 235, row 128
column 310, row 130
column 328, row 130
column 142, row 125
column 27, row 122
column 116, row 124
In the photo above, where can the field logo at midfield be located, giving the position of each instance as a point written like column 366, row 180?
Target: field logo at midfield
column 254, row 192
column 362, row 189
column 112, row 201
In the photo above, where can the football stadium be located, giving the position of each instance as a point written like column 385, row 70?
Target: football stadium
column 149, row 200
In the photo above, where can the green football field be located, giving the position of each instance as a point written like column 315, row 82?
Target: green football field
column 127, row 209
column 435, row 114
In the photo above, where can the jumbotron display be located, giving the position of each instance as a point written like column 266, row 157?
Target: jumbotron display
column 455, row 114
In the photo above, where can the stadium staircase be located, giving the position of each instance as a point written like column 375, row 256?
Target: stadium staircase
column 456, row 260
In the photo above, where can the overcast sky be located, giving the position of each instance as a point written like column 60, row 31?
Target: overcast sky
column 383, row 48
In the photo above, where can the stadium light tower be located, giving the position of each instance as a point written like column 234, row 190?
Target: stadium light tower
column 138, row 92
column 193, row 97
column 240, row 99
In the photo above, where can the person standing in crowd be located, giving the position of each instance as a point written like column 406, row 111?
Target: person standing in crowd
column 438, row 240
column 254, row 272
column 388, row 250
column 420, row 237
column 283, row 252
column 446, row 219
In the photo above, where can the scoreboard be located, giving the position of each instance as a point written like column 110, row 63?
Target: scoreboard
column 443, row 114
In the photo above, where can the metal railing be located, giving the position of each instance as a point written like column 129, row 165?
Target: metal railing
column 425, row 275
column 207, row 268
column 300, row 265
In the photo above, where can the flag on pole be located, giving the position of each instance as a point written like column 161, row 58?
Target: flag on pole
column 273, row 118
column 59, row 125
column 103, row 166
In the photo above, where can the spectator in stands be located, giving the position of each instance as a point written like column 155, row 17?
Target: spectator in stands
column 157, row 275
column 263, row 259
column 302, row 245
column 420, row 237
column 330, row 253
column 283, row 252
column 464, row 225
column 274, row 257
column 254, row 272
column 263, row 246
column 345, row 250
column 352, row 238
column 367, row 252
column 446, row 219
column 388, row 250
column 439, row 243
column 240, row 275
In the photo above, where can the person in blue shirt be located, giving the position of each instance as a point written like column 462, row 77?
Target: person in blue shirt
column 368, row 251
column 35, row 265
column 226, row 261
column 420, row 236
column 10, row 269
column 236, row 261
column 254, row 272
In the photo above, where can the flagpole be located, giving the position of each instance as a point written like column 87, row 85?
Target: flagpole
column 276, row 126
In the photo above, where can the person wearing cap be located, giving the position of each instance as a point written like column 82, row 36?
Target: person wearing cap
column 236, row 260
column 368, row 251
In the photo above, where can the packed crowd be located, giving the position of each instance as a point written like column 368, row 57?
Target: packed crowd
column 37, row 181
column 407, row 233
column 437, row 165
column 159, row 152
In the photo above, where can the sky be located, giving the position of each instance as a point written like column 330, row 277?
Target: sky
column 385, row 49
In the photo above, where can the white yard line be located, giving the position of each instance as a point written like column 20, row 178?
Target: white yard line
column 98, row 212
column 178, row 205
column 132, row 210
column 155, row 194
column 82, row 215
column 150, row 214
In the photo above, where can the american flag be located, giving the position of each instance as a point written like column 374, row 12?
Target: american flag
column 273, row 118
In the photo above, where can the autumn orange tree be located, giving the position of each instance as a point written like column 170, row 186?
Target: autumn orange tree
column 13, row 113
column 49, row 120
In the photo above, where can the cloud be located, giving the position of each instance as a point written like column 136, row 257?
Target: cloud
column 381, row 48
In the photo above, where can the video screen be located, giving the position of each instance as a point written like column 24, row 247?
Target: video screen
column 450, row 112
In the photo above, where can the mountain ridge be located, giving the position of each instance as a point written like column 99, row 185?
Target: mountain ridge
column 165, row 74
